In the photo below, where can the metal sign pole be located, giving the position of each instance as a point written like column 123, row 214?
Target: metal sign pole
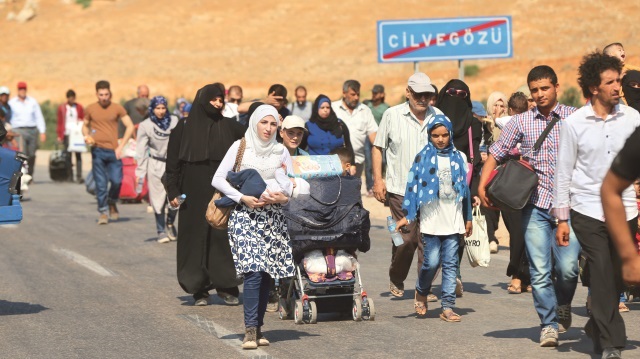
column 416, row 66
column 460, row 70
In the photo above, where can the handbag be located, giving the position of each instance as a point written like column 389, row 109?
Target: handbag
column 477, row 245
column 470, row 164
column 218, row 218
column 512, row 184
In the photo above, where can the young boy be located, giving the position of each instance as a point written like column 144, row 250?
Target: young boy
column 346, row 158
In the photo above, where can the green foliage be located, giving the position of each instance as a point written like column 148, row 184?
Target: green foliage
column 85, row 3
column 49, row 111
column 471, row 70
column 572, row 97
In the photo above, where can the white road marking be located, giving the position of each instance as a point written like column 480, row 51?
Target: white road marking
column 229, row 338
column 85, row 262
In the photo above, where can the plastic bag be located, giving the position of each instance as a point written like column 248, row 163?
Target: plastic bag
column 76, row 139
column 477, row 245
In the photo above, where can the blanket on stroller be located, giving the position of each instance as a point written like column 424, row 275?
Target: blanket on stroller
column 332, row 215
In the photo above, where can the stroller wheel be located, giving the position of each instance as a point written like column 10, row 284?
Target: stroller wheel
column 356, row 310
column 313, row 313
column 298, row 312
column 370, row 311
column 283, row 310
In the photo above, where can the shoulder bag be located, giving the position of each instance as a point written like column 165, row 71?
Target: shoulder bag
column 470, row 164
column 218, row 218
column 510, row 185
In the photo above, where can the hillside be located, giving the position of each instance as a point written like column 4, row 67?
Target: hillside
column 176, row 47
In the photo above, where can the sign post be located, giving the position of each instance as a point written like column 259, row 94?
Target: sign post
column 444, row 39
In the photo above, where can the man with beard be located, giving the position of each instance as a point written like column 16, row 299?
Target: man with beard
column 554, row 268
column 100, row 130
column 358, row 118
column 301, row 107
column 589, row 140
column 403, row 133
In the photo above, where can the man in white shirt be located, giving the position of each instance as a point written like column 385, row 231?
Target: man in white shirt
column 590, row 139
column 402, row 133
column 234, row 97
column 301, row 107
column 27, row 121
column 358, row 118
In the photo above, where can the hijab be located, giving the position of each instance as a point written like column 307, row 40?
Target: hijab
column 493, row 98
column 331, row 123
column 205, row 126
column 631, row 95
column 457, row 109
column 165, row 121
column 423, row 182
column 260, row 147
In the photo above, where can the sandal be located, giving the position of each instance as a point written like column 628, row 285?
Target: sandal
column 529, row 288
column 448, row 315
column 512, row 289
column 395, row 291
column 432, row 297
column 420, row 305
column 622, row 308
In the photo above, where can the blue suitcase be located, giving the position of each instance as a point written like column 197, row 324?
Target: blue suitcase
column 10, row 173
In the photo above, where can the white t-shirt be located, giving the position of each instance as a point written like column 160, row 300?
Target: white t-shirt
column 444, row 217
column 360, row 123
column 231, row 111
column 501, row 122
column 71, row 120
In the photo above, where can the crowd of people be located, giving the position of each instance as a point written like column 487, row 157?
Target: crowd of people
column 429, row 159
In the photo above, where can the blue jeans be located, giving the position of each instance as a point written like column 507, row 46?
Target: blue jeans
column 437, row 250
column 160, row 222
column 106, row 168
column 545, row 257
column 256, row 297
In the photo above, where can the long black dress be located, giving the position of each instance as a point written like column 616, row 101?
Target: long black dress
column 204, row 258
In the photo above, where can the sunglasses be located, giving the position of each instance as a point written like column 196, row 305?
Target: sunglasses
column 418, row 95
column 457, row 93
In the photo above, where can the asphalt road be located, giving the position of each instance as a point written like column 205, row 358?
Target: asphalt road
column 72, row 289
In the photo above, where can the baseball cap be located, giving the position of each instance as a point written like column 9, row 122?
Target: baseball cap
column 4, row 90
column 420, row 82
column 377, row 88
column 293, row 121
column 22, row 85
column 478, row 109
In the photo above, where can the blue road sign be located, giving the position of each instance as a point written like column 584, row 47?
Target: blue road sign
column 444, row 39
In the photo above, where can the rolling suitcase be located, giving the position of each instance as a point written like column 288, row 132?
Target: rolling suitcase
column 60, row 165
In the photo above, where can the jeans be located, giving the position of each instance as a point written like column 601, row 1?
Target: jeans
column 256, row 297
column 439, row 250
column 544, row 254
column 106, row 168
column 160, row 222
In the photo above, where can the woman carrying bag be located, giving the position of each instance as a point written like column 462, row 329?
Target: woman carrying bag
column 197, row 145
column 257, row 230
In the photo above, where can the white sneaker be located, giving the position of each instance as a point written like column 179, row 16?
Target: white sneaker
column 549, row 337
column 493, row 247
column 163, row 239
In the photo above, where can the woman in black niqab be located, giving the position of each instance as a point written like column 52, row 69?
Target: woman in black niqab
column 630, row 89
column 197, row 145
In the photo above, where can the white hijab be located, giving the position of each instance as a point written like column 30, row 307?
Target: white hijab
column 254, row 142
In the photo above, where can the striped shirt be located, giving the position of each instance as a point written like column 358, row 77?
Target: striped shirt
column 526, row 128
column 401, row 134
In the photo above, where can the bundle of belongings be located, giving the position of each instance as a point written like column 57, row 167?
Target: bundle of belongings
column 329, row 265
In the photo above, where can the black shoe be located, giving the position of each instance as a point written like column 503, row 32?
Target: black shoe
column 80, row 180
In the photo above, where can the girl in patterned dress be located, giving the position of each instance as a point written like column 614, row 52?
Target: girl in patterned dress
column 257, row 230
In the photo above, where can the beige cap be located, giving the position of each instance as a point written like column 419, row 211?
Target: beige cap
column 420, row 82
column 293, row 121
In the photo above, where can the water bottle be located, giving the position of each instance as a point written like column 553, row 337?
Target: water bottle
column 181, row 199
column 396, row 237
column 139, row 185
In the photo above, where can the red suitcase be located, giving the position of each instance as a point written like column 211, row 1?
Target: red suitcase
column 128, row 188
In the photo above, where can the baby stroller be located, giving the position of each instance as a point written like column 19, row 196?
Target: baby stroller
column 329, row 219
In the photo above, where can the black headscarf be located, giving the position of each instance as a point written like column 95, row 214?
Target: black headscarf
column 631, row 95
column 330, row 123
column 457, row 109
column 206, row 126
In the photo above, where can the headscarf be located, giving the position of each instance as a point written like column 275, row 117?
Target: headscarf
column 260, row 147
column 331, row 123
column 203, row 120
column 493, row 98
column 631, row 95
column 457, row 109
column 164, row 122
column 423, row 183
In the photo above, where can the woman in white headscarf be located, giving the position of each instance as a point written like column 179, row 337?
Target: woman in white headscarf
column 496, row 108
column 258, row 235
